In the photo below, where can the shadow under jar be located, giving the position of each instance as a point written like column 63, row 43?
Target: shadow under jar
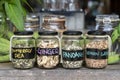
column 23, row 50
column 72, row 49
column 47, row 50
column 97, row 49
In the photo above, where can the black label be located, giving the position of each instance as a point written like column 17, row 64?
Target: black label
column 96, row 53
column 47, row 51
column 74, row 55
column 23, row 53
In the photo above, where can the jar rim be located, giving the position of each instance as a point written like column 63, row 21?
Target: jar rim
column 48, row 33
column 23, row 33
column 96, row 32
column 70, row 32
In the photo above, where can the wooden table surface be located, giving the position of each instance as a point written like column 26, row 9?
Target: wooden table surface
column 111, row 72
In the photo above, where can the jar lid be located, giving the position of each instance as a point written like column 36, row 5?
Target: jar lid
column 23, row 33
column 72, row 33
column 97, row 32
column 48, row 33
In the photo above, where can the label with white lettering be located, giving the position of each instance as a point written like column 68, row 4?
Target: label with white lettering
column 23, row 53
column 74, row 55
column 96, row 53
column 47, row 51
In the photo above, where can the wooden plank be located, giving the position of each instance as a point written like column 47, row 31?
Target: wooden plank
column 111, row 72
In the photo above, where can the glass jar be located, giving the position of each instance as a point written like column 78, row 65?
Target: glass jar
column 97, row 49
column 47, row 4
column 23, row 50
column 108, row 23
column 55, row 5
column 47, row 50
column 72, row 49
column 53, row 23
column 73, row 5
column 64, row 4
column 51, row 5
column 32, row 22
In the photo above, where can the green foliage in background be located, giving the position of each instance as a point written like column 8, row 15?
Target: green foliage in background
column 116, row 33
column 13, row 10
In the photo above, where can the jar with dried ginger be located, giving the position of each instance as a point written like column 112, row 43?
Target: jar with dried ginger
column 47, row 49
column 97, row 46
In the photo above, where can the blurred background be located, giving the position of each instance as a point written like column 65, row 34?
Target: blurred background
column 91, row 8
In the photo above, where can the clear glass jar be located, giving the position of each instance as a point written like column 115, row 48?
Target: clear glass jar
column 72, row 49
column 54, row 23
column 64, row 5
column 47, row 50
column 55, row 5
column 23, row 50
column 47, row 4
column 73, row 5
column 108, row 23
column 59, row 5
column 32, row 22
column 96, row 49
